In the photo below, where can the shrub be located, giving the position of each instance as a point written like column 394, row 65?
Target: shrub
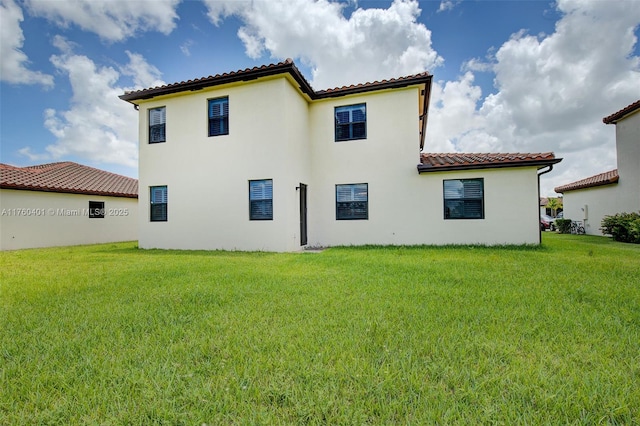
column 623, row 227
column 563, row 225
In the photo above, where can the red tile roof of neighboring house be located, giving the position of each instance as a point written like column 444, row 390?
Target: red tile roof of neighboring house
column 268, row 70
column 605, row 178
column 616, row 116
column 67, row 177
column 460, row 161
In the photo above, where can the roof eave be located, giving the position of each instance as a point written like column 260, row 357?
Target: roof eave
column 424, row 168
column 562, row 190
column 194, row 85
column 391, row 84
column 67, row 191
column 282, row 68
column 623, row 113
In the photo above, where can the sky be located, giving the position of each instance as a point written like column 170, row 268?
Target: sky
column 508, row 76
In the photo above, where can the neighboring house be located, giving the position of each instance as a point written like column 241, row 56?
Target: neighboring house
column 614, row 191
column 258, row 160
column 65, row 203
column 545, row 209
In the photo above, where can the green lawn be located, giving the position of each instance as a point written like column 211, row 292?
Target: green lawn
column 110, row 334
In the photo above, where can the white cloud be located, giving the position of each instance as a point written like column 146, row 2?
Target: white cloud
column 185, row 47
column 144, row 74
column 552, row 92
column 98, row 126
column 111, row 20
column 447, row 5
column 14, row 63
column 370, row 44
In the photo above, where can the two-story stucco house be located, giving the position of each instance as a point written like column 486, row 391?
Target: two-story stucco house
column 258, row 160
column 614, row 191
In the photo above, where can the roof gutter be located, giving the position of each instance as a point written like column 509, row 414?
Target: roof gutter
column 425, row 112
column 425, row 168
column 550, row 168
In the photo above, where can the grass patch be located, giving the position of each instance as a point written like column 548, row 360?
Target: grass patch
column 109, row 334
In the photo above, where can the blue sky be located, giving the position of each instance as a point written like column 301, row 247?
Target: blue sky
column 509, row 76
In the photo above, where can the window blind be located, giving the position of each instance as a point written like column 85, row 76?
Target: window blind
column 261, row 199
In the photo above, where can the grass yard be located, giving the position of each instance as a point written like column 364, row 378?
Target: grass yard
column 110, row 334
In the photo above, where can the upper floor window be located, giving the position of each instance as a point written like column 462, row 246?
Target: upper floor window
column 159, row 201
column 352, row 201
column 261, row 199
column 219, row 116
column 157, row 121
column 464, row 199
column 351, row 122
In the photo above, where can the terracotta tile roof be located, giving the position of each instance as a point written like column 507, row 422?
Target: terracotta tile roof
column 363, row 87
column 605, row 178
column 67, row 177
column 284, row 67
column 622, row 113
column 461, row 161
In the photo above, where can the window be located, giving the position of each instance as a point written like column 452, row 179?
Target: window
column 157, row 120
column 219, row 116
column 158, row 204
column 261, row 199
column 464, row 199
column 351, row 122
column 352, row 201
column 96, row 209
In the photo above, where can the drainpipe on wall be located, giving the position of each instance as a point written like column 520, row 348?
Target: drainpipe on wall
column 538, row 203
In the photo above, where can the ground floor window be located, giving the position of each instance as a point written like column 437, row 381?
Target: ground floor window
column 159, row 201
column 352, row 201
column 261, row 199
column 464, row 199
column 96, row 209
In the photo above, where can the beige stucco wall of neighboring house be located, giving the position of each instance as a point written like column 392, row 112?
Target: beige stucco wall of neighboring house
column 30, row 219
column 622, row 197
column 591, row 205
column 628, row 152
column 207, row 178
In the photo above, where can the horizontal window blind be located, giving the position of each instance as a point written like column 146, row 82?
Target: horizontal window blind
column 157, row 124
column 219, row 116
column 464, row 199
column 158, row 201
column 261, row 199
column 351, row 122
column 352, row 201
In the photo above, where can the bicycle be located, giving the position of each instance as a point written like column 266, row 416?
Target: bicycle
column 577, row 227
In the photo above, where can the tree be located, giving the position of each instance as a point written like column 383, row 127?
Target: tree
column 554, row 204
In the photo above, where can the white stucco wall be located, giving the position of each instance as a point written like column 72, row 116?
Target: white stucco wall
column 276, row 133
column 591, row 205
column 30, row 219
column 207, row 178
